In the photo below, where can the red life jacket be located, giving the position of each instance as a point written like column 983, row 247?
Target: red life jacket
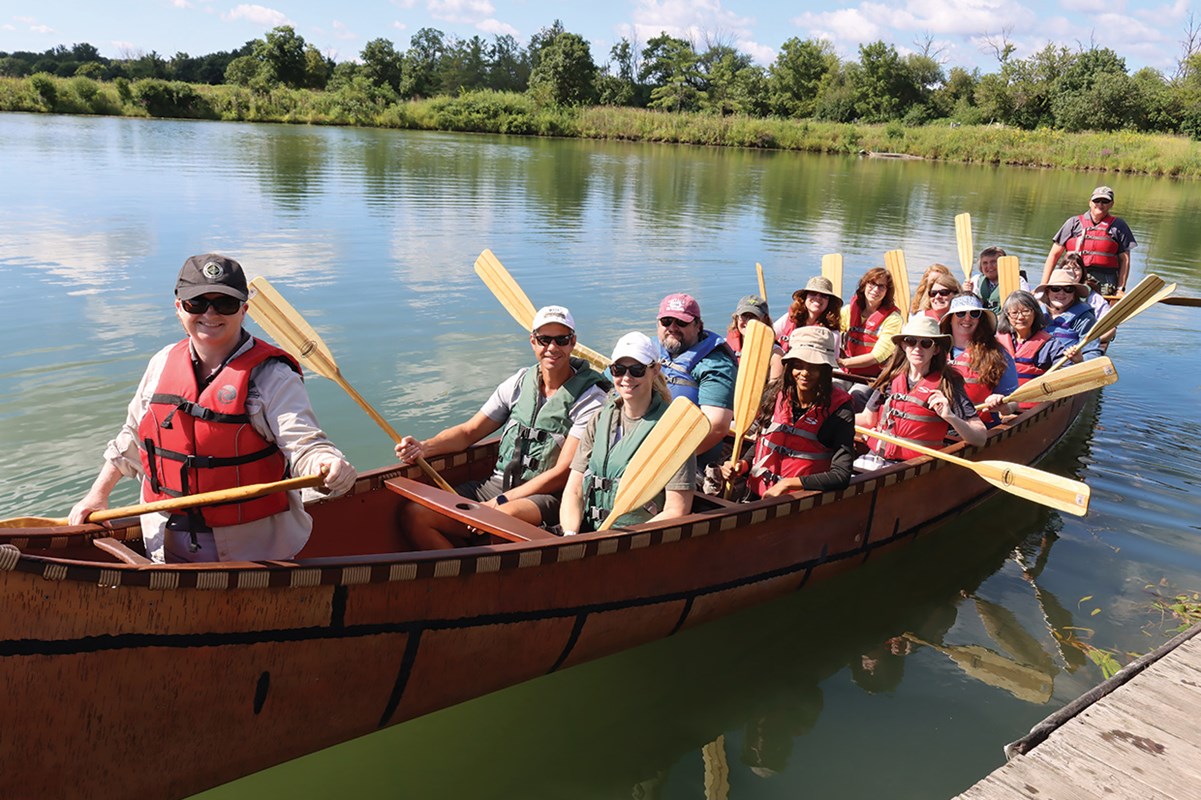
column 788, row 448
column 196, row 441
column 862, row 335
column 1025, row 357
column 976, row 390
column 906, row 415
column 1095, row 244
column 788, row 326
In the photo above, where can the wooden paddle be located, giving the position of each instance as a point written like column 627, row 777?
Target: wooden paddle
column 753, row 366
column 832, row 270
column 1023, row 681
column 1194, row 302
column 762, row 286
column 676, row 436
column 288, row 328
column 517, row 303
column 1150, row 290
column 1009, row 276
column 1062, row 494
column 1091, row 374
column 963, row 239
column 175, row 503
column 894, row 262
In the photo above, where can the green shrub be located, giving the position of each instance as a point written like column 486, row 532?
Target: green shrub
column 170, row 99
column 45, row 88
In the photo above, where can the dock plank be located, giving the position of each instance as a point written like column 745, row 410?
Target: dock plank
column 1135, row 737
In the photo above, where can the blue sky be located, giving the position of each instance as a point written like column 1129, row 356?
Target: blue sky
column 1144, row 32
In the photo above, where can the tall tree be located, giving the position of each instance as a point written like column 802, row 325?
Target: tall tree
column 509, row 68
column 795, row 77
column 672, row 67
column 421, row 63
column 281, row 51
column 566, row 73
column 382, row 64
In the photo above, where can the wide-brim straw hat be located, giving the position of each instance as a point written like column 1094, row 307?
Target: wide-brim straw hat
column 1061, row 277
column 967, row 302
column 819, row 284
column 922, row 327
column 813, row 344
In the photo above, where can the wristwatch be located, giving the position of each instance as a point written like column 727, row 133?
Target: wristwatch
column 501, row 499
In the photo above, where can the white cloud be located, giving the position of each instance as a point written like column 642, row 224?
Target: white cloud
column 695, row 20
column 260, row 15
column 400, row 26
column 760, row 53
column 181, row 3
column 405, row 4
column 497, row 28
column 468, row 12
column 8, row 26
column 41, row 29
column 342, row 32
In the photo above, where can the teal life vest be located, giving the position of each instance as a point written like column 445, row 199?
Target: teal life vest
column 608, row 463
column 678, row 371
column 536, row 428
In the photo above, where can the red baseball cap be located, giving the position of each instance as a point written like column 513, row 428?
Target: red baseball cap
column 680, row 306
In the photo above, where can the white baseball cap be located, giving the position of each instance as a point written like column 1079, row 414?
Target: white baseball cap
column 636, row 345
column 553, row 314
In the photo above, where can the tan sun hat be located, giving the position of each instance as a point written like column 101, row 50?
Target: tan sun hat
column 922, row 327
column 813, row 344
column 1061, row 277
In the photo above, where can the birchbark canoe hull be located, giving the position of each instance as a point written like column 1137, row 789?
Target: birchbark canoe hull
column 120, row 680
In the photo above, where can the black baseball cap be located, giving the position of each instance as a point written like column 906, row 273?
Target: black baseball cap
column 211, row 273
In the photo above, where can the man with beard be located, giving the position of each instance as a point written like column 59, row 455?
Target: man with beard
column 698, row 365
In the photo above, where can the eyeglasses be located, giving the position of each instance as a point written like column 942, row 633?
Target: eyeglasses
column 562, row 341
column 1061, row 288
column 974, row 313
column 1020, row 311
column 882, row 287
column 941, row 292
column 925, row 344
column 1101, row 201
column 635, row 370
column 223, row 305
column 669, row 322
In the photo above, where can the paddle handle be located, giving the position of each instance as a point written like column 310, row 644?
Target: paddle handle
column 762, row 285
column 914, row 446
column 430, row 472
column 733, row 463
column 238, row 493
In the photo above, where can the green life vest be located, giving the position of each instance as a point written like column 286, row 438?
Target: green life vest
column 608, row 462
column 535, row 430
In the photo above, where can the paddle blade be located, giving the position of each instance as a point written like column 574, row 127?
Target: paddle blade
column 1143, row 296
column 1049, row 489
column 676, row 436
column 1092, row 374
column 32, row 522
column 1008, row 276
column 501, row 284
column 762, row 285
column 963, row 240
column 517, row 303
column 288, row 328
column 894, row 262
column 832, row 270
column 753, row 367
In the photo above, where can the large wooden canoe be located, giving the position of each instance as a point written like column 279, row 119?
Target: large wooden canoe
column 124, row 679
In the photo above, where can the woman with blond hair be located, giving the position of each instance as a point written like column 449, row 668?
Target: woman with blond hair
column 869, row 322
column 935, row 299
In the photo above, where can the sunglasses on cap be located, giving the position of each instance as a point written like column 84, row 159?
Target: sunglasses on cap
column 562, row 341
column 668, row 322
column 974, row 313
column 1061, row 289
column 941, row 292
column 910, row 341
column 635, row 370
column 223, row 305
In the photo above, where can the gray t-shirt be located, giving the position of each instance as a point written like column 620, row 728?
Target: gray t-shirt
column 500, row 403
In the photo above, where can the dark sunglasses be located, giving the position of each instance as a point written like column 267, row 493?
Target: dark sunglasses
column 562, row 341
column 974, row 313
column 1101, row 201
column 223, row 305
column 910, row 341
column 1061, row 289
column 668, row 322
column 941, row 292
column 636, row 370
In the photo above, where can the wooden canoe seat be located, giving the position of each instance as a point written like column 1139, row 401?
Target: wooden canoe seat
column 120, row 551
column 476, row 515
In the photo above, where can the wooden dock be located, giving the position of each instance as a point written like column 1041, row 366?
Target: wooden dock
column 1138, row 735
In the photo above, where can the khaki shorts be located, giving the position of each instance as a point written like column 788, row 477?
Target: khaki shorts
column 482, row 491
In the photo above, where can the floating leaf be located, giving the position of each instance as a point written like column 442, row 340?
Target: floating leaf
column 1095, row 612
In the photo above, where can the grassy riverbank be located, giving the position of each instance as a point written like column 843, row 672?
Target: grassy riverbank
column 517, row 113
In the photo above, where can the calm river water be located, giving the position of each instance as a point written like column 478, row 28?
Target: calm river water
column 372, row 235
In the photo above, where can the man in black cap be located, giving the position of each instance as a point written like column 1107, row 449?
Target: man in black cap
column 217, row 410
column 1104, row 241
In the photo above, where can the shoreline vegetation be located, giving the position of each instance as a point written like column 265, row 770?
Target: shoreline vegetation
column 1056, row 108
column 518, row 113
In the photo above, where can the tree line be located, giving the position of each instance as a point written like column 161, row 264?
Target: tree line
column 1056, row 87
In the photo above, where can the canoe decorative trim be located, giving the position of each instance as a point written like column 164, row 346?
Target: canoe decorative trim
column 9, row 556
